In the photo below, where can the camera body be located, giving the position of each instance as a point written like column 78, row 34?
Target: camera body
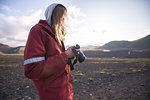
column 79, row 55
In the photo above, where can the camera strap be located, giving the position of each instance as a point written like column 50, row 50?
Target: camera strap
column 75, row 61
column 71, row 64
column 46, row 30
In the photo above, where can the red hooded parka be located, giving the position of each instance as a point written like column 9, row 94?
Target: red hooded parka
column 45, row 64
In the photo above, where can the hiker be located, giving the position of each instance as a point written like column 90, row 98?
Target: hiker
column 45, row 57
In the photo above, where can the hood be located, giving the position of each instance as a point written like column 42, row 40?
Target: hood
column 49, row 11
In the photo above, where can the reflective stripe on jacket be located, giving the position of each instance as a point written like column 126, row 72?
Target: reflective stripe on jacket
column 45, row 64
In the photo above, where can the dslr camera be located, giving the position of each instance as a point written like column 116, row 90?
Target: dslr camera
column 79, row 57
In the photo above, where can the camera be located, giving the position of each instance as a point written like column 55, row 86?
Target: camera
column 79, row 56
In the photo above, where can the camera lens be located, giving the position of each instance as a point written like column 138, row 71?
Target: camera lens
column 81, row 57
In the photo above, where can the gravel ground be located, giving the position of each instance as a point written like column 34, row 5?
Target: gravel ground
column 92, row 80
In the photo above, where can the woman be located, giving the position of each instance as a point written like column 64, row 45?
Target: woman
column 45, row 57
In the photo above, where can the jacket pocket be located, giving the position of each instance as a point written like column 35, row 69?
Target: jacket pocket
column 57, row 81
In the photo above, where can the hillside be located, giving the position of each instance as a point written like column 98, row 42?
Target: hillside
column 142, row 43
column 5, row 49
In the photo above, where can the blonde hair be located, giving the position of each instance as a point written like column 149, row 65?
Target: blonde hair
column 58, row 18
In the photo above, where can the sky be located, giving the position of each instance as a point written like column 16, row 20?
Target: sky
column 90, row 22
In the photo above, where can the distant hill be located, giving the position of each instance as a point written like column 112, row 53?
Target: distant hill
column 143, row 43
column 5, row 49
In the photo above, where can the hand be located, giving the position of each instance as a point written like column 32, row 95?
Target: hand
column 70, row 53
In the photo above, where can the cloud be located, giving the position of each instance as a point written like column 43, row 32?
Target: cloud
column 75, row 16
column 75, row 20
column 4, row 7
column 14, row 29
column 74, row 11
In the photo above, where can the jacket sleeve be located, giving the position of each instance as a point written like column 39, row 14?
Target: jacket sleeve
column 35, row 64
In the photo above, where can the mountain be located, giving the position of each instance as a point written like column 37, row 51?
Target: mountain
column 5, row 49
column 142, row 43
column 16, row 50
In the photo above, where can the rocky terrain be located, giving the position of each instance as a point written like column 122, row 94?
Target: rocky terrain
column 98, row 78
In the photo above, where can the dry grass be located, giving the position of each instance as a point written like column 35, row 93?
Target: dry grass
column 119, row 60
column 127, row 65
column 79, row 73
column 11, row 60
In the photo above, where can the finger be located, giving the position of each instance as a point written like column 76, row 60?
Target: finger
column 78, row 50
column 72, row 47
